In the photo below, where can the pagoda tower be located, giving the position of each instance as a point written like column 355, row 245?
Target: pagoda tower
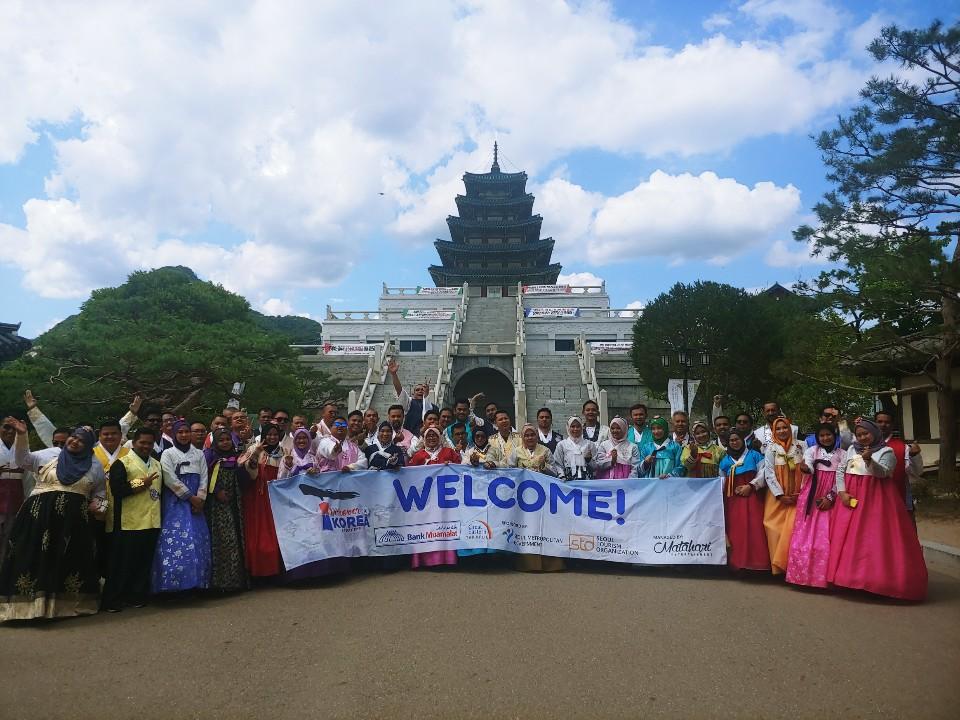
column 495, row 240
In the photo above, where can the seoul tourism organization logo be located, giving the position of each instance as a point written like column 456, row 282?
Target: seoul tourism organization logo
column 583, row 543
column 477, row 530
column 677, row 546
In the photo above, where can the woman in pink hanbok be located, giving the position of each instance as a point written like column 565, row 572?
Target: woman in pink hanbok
column 617, row 457
column 873, row 543
column 810, row 541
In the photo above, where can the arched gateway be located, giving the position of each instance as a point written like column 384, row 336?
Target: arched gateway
column 492, row 382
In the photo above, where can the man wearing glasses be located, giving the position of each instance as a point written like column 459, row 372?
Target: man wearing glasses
column 830, row 415
column 281, row 418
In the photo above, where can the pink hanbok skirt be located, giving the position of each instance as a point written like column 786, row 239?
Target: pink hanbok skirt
column 617, row 471
column 433, row 559
column 810, row 542
column 874, row 546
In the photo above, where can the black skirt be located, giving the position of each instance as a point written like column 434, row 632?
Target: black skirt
column 51, row 566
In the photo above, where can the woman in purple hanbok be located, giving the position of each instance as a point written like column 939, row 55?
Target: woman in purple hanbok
column 182, row 559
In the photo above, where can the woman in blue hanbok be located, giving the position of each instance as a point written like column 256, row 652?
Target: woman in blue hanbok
column 660, row 457
column 182, row 560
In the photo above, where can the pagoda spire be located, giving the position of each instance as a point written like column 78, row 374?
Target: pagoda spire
column 496, row 166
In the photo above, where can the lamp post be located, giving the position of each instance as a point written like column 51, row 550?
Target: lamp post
column 685, row 358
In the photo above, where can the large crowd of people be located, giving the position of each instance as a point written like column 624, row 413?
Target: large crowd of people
column 107, row 518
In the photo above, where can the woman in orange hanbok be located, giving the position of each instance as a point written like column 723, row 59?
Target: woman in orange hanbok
column 782, row 461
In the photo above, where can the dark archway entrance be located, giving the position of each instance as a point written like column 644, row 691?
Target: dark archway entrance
column 495, row 386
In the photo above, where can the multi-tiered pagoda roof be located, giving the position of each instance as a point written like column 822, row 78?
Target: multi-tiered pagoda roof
column 495, row 239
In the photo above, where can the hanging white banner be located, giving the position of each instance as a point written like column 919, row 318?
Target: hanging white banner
column 611, row 348
column 552, row 312
column 419, row 314
column 439, row 290
column 675, row 393
column 546, row 289
column 349, row 349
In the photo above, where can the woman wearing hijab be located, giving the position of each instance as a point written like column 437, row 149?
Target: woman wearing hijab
column 873, row 544
column 434, row 453
column 482, row 453
column 225, row 514
column 573, row 458
column 701, row 458
column 810, row 543
column 51, row 568
column 262, row 462
column 617, row 457
column 742, row 468
column 383, row 453
column 660, row 457
column 182, row 560
column 301, row 459
column 782, row 460
column 531, row 455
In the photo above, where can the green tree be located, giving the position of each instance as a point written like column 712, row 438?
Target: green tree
column 891, row 220
column 177, row 341
column 713, row 317
column 762, row 347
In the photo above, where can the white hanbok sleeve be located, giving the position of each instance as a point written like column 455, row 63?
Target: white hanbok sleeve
column 168, row 464
column 42, row 424
column 769, row 474
column 602, row 459
column 883, row 463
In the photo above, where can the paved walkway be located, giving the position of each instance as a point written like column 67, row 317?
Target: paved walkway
column 498, row 644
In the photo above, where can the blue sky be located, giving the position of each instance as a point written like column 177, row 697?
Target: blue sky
column 302, row 154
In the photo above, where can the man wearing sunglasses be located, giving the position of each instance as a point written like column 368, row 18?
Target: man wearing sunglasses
column 830, row 415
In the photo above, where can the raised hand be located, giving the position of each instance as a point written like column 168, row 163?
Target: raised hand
column 136, row 404
column 29, row 400
column 18, row 425
column 393, row 366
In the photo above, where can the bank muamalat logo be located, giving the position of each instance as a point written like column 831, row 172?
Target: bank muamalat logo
column 447, row 531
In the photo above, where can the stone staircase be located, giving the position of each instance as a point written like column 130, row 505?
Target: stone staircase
column 413, row 369
column 490, row 320
column 554, row 381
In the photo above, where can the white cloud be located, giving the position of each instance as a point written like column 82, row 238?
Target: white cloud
column 276, row 306
column 781, row 256
column 677, row 216
column 579, row 279
column 308, row 128
column 632, row 306
column 717, row 21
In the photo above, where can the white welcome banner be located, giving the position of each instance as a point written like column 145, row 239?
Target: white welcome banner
column 452, row 507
